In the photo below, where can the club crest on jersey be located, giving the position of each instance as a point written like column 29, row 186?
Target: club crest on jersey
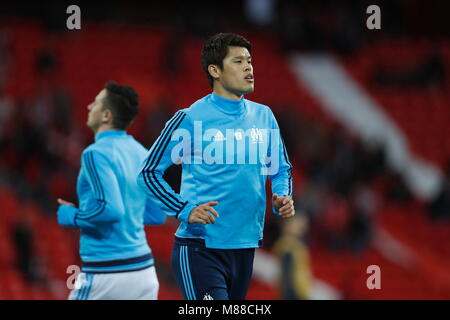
column 256, row 135
column 213, row 146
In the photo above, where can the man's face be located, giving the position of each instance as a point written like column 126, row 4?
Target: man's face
column 237, row 73
column 96, row 114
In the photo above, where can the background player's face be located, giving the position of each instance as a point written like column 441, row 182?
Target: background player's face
column 237, row 73
column 296, row 226
column 96, row 114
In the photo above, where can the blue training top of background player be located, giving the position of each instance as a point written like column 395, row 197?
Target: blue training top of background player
column 112, row 207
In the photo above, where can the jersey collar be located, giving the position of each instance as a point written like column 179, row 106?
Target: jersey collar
column 228, row 106
column 109, row 133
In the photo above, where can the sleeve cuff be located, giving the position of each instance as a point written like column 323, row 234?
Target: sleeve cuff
column 183, row 214
column 67, row 215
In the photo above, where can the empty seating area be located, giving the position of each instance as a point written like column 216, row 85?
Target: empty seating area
column 421, row 111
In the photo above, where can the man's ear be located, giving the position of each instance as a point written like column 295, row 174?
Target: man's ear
column 107, row 116
column 214, row 71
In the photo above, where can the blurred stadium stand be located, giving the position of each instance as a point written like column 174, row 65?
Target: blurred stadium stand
column 362, row 212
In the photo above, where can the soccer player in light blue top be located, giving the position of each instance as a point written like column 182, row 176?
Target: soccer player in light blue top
column 228, row 146
column 117, row 262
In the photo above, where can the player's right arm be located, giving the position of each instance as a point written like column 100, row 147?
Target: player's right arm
column 106, row 205
column 282, row 187
column 162, row 155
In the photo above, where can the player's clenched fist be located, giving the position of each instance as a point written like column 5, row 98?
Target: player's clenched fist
column 284, row 206
column 203, row 213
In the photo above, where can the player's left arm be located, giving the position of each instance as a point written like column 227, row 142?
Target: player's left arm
column 280, row 175
column 107, row 204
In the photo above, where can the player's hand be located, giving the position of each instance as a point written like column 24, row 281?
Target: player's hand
column 65, row 203
column 284, row 206
column 203, row 213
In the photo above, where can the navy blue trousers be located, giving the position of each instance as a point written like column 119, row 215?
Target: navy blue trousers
column 211, row 274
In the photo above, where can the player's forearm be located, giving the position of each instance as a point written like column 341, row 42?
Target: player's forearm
column 281, row 173
column 103, row 213
column 282, row 182
column 171, row 203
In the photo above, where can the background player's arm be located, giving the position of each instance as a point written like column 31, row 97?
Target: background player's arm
column 159, row 159
column 107, row 205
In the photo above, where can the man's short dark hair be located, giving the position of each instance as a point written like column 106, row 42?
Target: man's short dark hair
column 123, row 101
column 216, row 49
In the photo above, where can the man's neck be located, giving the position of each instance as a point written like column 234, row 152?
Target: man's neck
column 103, row 128
column 222, row 92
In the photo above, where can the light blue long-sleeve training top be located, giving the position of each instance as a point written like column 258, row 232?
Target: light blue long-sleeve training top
column 227, row 150
column 112, row 207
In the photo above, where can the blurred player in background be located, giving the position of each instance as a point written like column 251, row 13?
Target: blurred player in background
column 117, row 262
column 295, row 278
column 213, row 256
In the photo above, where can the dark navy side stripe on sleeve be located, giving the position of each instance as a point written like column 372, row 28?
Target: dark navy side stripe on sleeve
column 96, row 190
column 152, row 155
column 156, row 195
column 161, row 137
column 94, row 170
column 169, row 124
column 150, row 184
column 157, row 152
column 181, row 209
column 290, row 165
column 167, row 140
column 86, row 215
column 90, row 166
